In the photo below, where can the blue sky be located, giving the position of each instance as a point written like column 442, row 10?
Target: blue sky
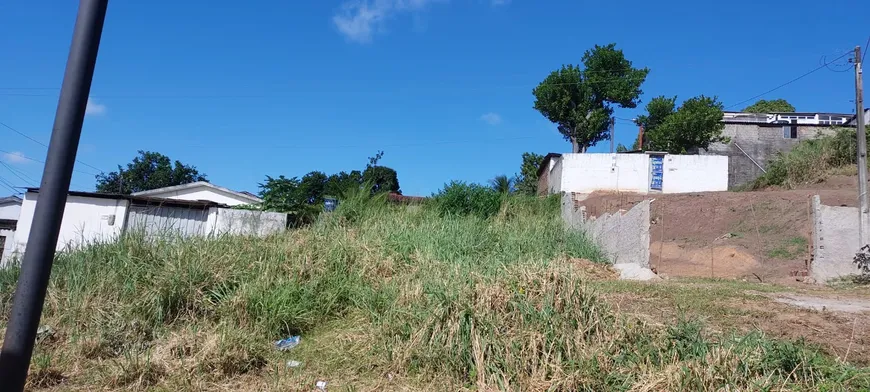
column 267, row 87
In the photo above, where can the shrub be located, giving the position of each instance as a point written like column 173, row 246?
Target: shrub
column 459, row 198
column 810, row 161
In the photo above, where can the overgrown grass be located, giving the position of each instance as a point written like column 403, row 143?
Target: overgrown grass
column 811, row 161
column 385, row 297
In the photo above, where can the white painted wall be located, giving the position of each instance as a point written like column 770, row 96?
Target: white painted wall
column 85, row 219
column 695, row 173
column 203, row 193
column 244, row 222
column 554, row 178
column 586, row 173
column 9, row 211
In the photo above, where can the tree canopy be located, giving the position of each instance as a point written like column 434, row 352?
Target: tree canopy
column 149, row 170
column 502, row 184
column 580, row 99
column 695, row 124
column 304, row 196
column 772, row 106
column 526, row 181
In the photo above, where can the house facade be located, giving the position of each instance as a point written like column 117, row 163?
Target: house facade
column 755, row 139
column 10, row 208
column 650, row 172
column 90, row 217
column 202, row 190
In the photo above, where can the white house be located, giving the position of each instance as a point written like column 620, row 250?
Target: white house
column 10, row 208
column 651, row 172
column 197, row 209
column 203, row 191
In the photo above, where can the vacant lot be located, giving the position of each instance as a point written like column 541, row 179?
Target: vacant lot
column 761, row 236
column 397, row 298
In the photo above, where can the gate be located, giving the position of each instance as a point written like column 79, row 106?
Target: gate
column 166, row 221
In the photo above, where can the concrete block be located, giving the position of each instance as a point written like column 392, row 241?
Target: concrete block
column 835, row 241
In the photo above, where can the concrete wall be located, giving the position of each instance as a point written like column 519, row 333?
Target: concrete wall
column 10, row 211
column 694, row 173
column 761, row 142
column 623, row 237
column 835, row 241
column 244, row 222
column 203, row 193
column 586, row 173
column 85, row 219
column 555, row 176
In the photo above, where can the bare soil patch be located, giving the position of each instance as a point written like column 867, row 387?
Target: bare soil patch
column 763, row 235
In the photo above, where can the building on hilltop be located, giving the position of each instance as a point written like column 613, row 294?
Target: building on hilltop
column 756, row 138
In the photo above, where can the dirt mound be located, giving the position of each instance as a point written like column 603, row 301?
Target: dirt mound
column 673, row 259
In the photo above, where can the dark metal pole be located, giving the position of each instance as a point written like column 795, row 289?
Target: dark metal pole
column 39, row 253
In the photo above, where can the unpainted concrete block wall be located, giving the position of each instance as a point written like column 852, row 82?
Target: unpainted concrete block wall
column 622, row 236
column 761, row 142
column 835, row 241
column 245, row 222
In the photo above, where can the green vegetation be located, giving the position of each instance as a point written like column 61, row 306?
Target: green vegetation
column 386, row 297
column 580, row 99
column 149, row 170
column 678, row 130
column 790, row 249
column 810, row 161
column 772, row 106
column 526, row 181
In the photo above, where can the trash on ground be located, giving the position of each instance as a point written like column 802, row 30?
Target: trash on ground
column 321, row 385
column 287, row 344
column 292, row 364
column 44, row 331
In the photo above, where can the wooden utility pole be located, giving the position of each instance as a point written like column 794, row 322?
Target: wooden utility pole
column 864, row 212
column 612, row 132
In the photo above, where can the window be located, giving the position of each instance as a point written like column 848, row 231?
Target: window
column 790, row 131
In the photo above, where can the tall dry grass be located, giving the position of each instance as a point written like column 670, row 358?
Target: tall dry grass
column 386, row 298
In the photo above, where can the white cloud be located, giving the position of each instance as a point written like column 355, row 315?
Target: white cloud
column 496, row 3
column 94, row 108
column 14, row 157
column 491, row 118
column 359, row 20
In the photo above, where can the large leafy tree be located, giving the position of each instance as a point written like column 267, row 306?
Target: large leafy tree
column 526, row 181
column 149, row 170
column 695, row 124
column 580, row 99
column 772, row 106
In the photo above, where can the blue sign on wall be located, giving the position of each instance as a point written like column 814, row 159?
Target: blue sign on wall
column 657, row 168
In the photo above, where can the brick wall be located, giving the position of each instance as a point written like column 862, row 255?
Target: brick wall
column 760, row 142
column 543, row 183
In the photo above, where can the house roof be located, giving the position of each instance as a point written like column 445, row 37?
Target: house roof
column 854, row 120
column 243, row 195
column 546, row 161
column 142, row 199
column 10, row 200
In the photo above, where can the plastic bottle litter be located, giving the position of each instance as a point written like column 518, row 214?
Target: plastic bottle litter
column 287, row 344
column 321, row 385
column 293, row 364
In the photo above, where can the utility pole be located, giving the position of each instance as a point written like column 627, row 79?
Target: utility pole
column 864, row 212
column 38, row 257
column 612, row 132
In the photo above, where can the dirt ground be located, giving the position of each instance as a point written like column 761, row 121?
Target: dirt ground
column 761, row 236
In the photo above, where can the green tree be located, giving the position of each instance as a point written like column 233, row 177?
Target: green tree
column 772, row 106
column 695, row 124
column 338, row 184
column 621, row 148
column 580, row 99
column 526, row 181
column 149, row 170
column 502, row 184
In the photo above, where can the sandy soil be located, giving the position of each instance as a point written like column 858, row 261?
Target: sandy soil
column 763, row 235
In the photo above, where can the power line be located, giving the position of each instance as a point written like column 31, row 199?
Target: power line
column 30, row 181
column 789, row 82
column 8, row 185
column 22, row 156
column 45, row 145
column 866, row 46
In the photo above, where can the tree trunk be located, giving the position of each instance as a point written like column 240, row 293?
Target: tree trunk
column 575, row 148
